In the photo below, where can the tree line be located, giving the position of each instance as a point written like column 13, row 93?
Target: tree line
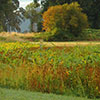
column 90, row 7
column 11, row 13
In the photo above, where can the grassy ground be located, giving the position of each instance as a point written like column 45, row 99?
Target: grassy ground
column 17, row 37
column 87, row 35
column 9, row 94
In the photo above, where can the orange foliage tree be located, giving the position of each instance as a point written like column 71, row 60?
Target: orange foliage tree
column 67, row 18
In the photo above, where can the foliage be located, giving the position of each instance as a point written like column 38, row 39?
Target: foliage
column 90, row 35
column 10, row 15
column 65, row 18
column 1, row 28
column 40, row 26
column 87, row 35
column 52, row 18
column 32, row 14
column 54, row 70
column 90, row 7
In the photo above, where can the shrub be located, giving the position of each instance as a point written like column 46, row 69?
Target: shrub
column 67, row 18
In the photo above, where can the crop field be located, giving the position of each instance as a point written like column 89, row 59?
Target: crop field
column 59, row 70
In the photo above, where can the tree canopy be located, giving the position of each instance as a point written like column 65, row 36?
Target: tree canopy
column 10, row 15
column 67, row 18
column 90, row 7
column 32, row 14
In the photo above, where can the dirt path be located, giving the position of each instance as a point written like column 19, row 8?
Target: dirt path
column 67, row 43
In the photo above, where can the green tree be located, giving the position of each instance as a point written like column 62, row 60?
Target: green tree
column 3, row 4
column 90, row 7
column 10, row 15
column 32, row 14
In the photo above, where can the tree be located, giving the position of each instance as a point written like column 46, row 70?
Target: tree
column 10, row 15
column 94, row 14
column 53, row 18
column 3, row 4
column 65, row 18
column 48, row 3
column 90, row 7
column 32, row 14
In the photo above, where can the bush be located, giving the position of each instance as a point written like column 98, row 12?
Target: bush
column 68, row 18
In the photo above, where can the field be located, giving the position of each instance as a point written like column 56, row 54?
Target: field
column 57, row 55
column 66, row 70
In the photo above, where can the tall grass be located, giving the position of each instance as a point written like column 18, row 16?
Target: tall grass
column 17, row 37
column 60, row 70
column 86, row 35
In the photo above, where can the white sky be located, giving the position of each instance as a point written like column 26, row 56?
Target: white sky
column 24, row 3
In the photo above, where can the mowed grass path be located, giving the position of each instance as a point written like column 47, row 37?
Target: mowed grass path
column 9, row 94
column 80, row 43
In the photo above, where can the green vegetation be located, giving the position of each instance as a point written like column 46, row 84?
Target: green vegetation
column 63, row 70
column 33, row 15
column 90, row 7
column 64, row 20
column 10, row 15
column 18, row 37
column 59, row 70
column 86, row 35
column 10, row 94
column 67, row 17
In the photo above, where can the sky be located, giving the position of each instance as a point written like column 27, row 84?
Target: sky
column 24, row 3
